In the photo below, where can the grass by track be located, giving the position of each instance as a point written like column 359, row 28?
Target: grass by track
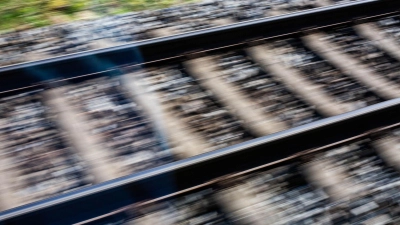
column 25, row 14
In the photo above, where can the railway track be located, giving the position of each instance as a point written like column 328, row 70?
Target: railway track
column 47, row 42
column 180, row 46
column 285, row 101
column 285, row 193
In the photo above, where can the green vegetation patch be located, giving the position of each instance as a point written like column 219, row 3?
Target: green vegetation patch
column 24, row 14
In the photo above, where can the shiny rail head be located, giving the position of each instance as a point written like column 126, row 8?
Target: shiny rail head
column 153, row 41
column 196, row 160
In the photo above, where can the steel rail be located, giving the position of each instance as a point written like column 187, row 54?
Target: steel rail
column 181, row 45
column 203, row 168
column 228, row 178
